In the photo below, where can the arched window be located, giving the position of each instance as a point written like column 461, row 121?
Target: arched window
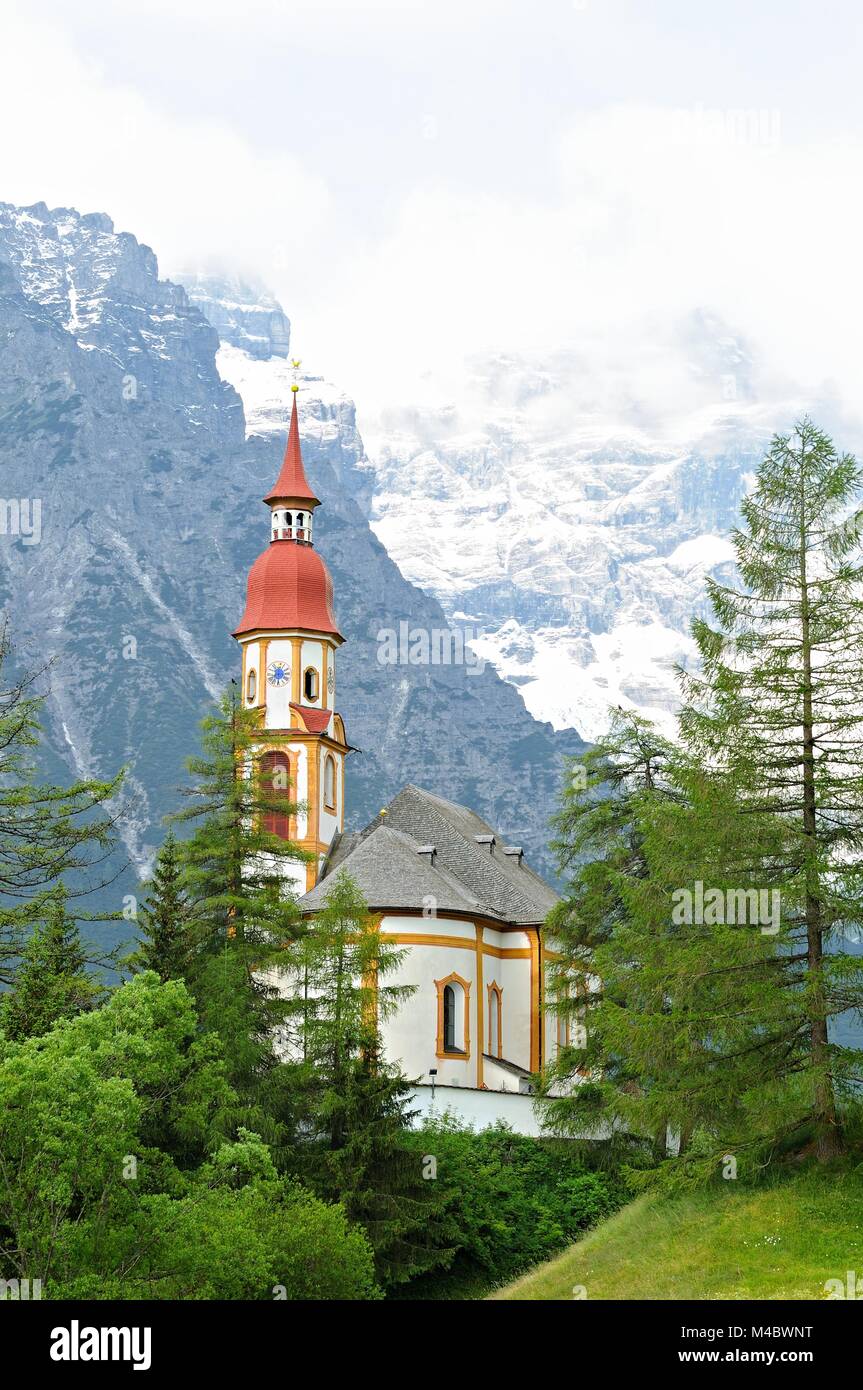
column 563, row 1015
column 449, row 1019
column 453, row 1017
column 275, row 771
column 310, row 683
column 252, row 686
column 330, row 782
column 495, row 1021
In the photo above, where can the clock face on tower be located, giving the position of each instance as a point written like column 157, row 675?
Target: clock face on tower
column 277, row 673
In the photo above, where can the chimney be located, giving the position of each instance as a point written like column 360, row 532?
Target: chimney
column 516, row 852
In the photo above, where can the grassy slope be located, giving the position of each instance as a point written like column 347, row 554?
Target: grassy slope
column 780, row 1241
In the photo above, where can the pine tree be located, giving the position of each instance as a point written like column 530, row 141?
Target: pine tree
column 722, row 1013
column 164, row 920
column 777, row 712
column 47, row 833
column 691, row 992
column 243, row 917
column 356, row 1105
column 52, row 981
column 599, row 848
column 233, row 865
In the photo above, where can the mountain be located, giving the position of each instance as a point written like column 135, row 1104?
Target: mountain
column 562, row 511
column 117, row 423
column 579, row 529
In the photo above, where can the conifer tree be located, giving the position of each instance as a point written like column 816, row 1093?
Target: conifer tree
column 233, row 864
column 166, row 942
column 691, row 976
column 599, row 848
column 52, row 981
column 46, row 832
column 243, row 914
column 356, row 1105
column 722, row 1013
column 777, row 712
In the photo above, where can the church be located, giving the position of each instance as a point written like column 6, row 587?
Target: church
column 443, row 885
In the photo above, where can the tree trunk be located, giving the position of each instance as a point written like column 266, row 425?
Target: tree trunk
column 827, row 1137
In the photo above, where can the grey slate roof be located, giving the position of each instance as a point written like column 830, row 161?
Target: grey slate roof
column 465, row 876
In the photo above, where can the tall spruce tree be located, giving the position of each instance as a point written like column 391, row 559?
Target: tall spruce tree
column 244, row 918
column 719, row 979
column 52, row 981
column 691, row 994
column 46, row 832
column 167, row 941
column 599, row 848
column 355, row 1104
column 778, row 712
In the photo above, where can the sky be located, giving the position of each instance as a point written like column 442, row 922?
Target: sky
column 421, row 182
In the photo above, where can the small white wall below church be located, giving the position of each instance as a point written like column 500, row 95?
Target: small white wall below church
column 477, row 1108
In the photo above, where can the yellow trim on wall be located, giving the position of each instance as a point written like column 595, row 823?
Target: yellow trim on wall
column 535, row 1001
column 296, row 658
column 461, row 943
column 326, row 649
column 480, row 1022
column 317, row 675
column 440, row 986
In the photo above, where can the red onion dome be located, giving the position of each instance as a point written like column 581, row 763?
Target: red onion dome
column 289, row 587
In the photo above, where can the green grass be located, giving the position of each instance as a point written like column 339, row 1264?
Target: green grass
column 781, row 1241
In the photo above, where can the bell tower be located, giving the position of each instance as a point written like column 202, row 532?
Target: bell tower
column 289, row 639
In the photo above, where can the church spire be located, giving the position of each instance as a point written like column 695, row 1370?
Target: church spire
column 292, row 486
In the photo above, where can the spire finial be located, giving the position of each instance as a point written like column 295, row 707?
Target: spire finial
column 292, row 485
column 296, row 363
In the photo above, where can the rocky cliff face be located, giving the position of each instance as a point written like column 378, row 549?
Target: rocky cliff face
column 118, row 429
column 244, row 316
column 578, row 529
column 553, row 511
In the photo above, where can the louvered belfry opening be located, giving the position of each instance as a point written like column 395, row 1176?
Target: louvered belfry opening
column 275, row 770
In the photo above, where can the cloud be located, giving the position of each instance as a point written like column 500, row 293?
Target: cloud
column 195, row 191
column 657, row 213
column 644, row 213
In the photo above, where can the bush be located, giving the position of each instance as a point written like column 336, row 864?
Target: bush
column 511, row 1201
column 239, row 1233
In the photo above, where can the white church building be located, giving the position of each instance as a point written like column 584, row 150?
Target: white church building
column 443, row 885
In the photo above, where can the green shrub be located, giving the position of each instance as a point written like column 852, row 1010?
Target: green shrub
column 510, row 1201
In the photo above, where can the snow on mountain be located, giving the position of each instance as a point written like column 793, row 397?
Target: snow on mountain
column 562, row 525
column 116, row 420
column 575, row 535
